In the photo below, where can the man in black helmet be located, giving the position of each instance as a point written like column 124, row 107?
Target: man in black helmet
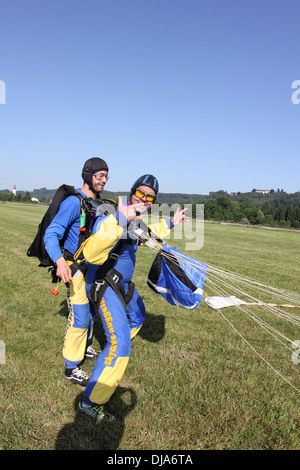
column 65, row 225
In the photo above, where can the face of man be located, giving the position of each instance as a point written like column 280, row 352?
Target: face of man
column 143, row 195
column 99, row 180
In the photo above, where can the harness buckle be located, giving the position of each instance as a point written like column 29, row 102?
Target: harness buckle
column 115, row 278
column 98, row 285
column 114, row 256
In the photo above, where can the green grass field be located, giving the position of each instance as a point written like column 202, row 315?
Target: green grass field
column 192, row 383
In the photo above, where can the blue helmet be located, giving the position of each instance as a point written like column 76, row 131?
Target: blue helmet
column 145, row 180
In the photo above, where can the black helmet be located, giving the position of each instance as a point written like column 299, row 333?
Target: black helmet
column 145, row 180
column 91, row 166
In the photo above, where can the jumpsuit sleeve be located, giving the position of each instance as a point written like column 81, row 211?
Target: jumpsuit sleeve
column 107, row 234
column 162, row 228
column 66, row 216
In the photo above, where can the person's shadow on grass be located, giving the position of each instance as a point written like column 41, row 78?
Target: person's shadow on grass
column 86, row 434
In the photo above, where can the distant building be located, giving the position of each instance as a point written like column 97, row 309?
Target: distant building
column 261, row 191
column 14, row 190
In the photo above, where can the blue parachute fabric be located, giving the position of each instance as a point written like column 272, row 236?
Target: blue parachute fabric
column 177, row 277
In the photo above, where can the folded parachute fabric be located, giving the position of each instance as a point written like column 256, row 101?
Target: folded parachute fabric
column 173, row 276
column 221, row 302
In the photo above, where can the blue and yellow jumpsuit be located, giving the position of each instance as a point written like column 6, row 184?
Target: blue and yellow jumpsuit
column 120, row 324
column 80, row 321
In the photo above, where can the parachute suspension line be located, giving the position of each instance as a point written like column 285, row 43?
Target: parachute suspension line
column 256, row 352
column 272, row 308
column 218, row 286
column 220, row 281
column 226, row 276
column 197, row 265
column 235, row 279
column 239, row 279
column 190, row 266
column 154, row 244
column 257, row 285
column 201, row 268
column 213, row 271
column 271, row 330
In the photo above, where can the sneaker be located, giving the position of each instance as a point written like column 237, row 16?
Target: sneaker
column 96, row 412
column 77, row 376
column 90, row 353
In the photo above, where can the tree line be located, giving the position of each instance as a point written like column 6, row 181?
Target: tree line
column 19, row 197
column 277, row 209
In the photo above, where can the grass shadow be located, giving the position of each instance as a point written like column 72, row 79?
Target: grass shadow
column 63, row 312
column 85, row 434
column 153, row 328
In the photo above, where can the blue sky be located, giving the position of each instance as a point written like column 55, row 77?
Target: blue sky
column 196, row 92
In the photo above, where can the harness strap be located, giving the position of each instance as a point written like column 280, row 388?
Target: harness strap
column 111, row 279
column 82, row 267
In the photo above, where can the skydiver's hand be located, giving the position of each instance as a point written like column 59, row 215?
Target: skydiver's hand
column 131, row 211
column 63, row 270
column 180, row 217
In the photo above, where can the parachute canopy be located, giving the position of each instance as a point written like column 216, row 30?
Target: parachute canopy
column 176, row 279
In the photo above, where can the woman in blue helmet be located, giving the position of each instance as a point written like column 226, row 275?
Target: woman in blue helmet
column 121, row 321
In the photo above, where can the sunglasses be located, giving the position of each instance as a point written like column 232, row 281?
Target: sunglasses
column 99, row 176
column 140, row 193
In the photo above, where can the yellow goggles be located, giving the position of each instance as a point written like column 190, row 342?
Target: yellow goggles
column 140, row 193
